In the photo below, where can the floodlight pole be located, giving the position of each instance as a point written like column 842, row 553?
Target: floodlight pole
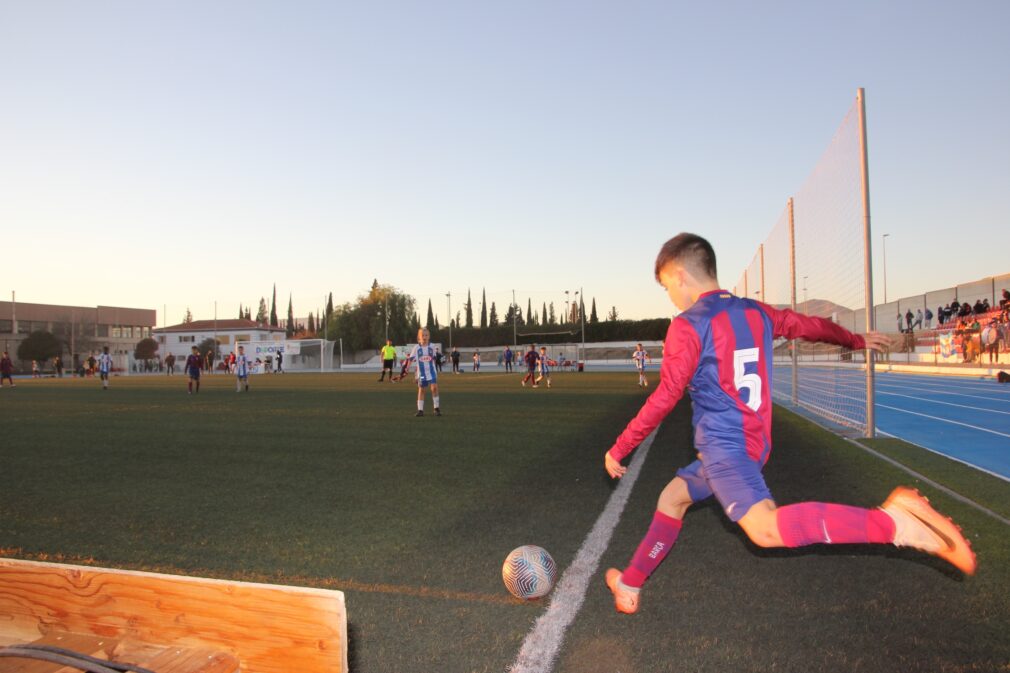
column 448, row 307
column 792, row 291
column 582, row 314
column 883, row 240
column 867, row 267
column 514, row 341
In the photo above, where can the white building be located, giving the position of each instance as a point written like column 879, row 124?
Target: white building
column 180, row 339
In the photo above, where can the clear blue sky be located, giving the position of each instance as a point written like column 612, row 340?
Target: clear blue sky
column 178, row 153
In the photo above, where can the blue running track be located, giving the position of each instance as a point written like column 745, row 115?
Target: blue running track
column 967, row 419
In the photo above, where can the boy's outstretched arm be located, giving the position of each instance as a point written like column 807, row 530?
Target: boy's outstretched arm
column 681, row 352
column 792, row 325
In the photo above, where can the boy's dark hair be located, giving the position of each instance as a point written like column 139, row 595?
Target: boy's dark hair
column 691, row 251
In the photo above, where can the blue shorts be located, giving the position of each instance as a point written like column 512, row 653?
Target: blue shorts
column 424, row 383
column 735, row 481
column 194, row 374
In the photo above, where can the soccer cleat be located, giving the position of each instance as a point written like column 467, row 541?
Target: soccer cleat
column 438, row 412
column 535, row 385
column 523, row 382
column 418, row 414
column 918, row 525
column 625, row 597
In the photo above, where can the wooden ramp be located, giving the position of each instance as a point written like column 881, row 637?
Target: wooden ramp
column 169, row 623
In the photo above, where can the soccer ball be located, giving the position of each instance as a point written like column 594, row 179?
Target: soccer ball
column 529, row 572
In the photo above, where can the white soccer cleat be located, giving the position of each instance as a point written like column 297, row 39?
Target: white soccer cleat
column 918, row 525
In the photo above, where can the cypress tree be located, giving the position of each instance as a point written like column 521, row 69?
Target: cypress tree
column 592, row 314
column 290, row 328
column 273, row 308
column 483, row 308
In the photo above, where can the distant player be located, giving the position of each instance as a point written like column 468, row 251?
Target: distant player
column 404, row 366
column 104, row 367
column 6, row 370
column 36, row 374
column 193, row 364
column 476, row 360
column 241, row 366
column 640, row 356
column 720, row 349
column 543, row 367
column 424, row 355
column 531, row 359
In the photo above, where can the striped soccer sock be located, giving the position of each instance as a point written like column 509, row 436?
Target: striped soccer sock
column 653, row 548
column 809, row 523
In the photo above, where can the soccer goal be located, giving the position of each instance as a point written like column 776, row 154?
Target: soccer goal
column 294, row 355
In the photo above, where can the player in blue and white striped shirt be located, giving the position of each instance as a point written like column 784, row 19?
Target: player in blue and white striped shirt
column 424, row 355
column 241, row 370
column 640, row 356
column 104, row 367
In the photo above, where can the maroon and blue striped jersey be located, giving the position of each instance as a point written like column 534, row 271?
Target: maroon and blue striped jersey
column 720, row 351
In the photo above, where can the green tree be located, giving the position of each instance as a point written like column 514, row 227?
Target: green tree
column 261, row 315
column 430, row 322
column 492, row 320
column 612, row 316
column 553, row 320
column 543, row 315
column 40, row 345
column 469, row 309
column 273, row 308
column 312, row 324
column 145, row 349
column 188, row 317
column 592, row 314
column 289, row 329
column 208, row 345
column 483, row 308
column 362, row 324
column 248, row 313
column 241, row 313
column 530, row 318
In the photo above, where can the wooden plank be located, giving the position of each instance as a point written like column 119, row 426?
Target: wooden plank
column 268, row 628
column 90, row 645
column 175, row 660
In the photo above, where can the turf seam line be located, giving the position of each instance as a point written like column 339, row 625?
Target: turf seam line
column 543, row 642
column 953, row 494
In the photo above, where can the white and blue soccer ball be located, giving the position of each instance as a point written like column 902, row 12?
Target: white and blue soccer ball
column 529, row 572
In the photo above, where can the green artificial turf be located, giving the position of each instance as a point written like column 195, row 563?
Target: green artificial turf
column 330, row 480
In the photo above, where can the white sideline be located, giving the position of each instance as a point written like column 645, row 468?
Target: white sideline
column 542, row 644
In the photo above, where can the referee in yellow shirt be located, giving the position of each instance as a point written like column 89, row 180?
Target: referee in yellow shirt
column 388, row 357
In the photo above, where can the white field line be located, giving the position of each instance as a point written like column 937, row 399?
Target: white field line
column 543, row 642
column 948, row 404
column 946, row 420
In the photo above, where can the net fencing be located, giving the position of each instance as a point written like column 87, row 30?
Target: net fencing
column 827, row 280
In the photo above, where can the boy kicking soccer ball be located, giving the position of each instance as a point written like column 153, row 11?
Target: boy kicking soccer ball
column 424, row 355
column 721, row 346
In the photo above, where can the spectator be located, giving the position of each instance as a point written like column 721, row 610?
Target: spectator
column 1004, row 303
column 991, row 340
column 901, row 325
column 929, row 318
column 908, row 319
column 965, row 310
column 979, row 308
column 918, row 318
column 985, row 305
